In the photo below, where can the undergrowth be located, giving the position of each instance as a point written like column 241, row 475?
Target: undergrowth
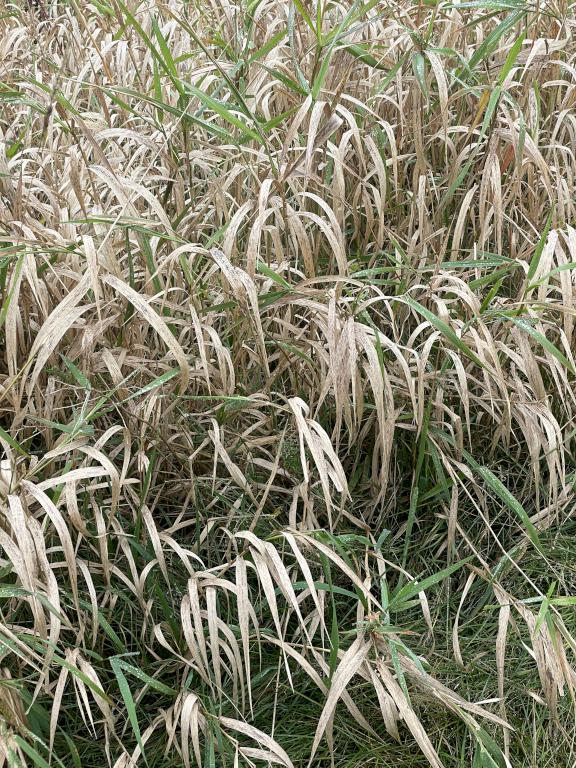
column 287, row 401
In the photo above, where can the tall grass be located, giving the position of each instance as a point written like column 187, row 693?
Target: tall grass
column 287, row 383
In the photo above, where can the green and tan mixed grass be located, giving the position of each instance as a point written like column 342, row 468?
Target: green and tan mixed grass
column 287, row 383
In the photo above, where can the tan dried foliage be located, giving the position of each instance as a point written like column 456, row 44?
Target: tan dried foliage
column 255, row 262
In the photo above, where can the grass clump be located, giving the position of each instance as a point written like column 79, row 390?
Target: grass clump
column 287, row 384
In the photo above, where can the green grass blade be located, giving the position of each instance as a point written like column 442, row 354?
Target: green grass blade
column 498, row 487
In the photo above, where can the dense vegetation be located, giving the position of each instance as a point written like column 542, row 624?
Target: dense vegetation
column 287, row 383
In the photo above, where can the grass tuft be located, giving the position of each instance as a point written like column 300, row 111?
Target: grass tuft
column 287, row 384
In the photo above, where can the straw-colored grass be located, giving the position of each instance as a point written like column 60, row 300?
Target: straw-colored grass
column 287, row 383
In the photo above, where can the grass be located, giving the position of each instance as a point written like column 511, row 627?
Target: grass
column 287, row 381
